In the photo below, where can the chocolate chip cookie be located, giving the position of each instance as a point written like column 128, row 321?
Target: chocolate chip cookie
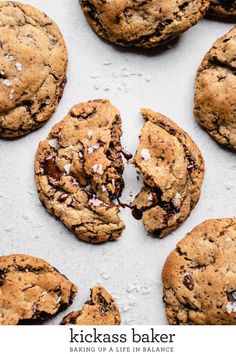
column 199, row 276
column 215, row 91
column 100, row 310
column 223, row 8
column 142, row 23
column 33, row 63
column 173, row 170
column 31, row 290
column 78, row 171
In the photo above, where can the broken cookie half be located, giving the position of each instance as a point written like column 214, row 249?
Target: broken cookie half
column 173, row 170
column 78, row 171
column 100, row 310
column 31, row 290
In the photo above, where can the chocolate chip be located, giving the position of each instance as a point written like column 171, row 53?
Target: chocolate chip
column 63, row 197
column 156, row 233
column 2, row 276
column 188, row 282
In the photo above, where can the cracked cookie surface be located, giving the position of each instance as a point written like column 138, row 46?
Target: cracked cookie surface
column 199, row 276
column 33, row 63
column 173, row 168
column 142, row 23
column 31, row 290
column 223, row 8
column 78, row 171
column 215, row 91
column 100, row 310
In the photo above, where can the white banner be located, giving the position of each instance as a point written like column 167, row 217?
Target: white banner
column 117, row 339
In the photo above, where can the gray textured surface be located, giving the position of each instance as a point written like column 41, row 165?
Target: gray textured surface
column 162, row 80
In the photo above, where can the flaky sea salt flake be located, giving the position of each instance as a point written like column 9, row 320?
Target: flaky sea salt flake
column 67, row 168
column 145, row 154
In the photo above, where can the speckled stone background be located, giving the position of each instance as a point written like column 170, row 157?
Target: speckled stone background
column 162, row 80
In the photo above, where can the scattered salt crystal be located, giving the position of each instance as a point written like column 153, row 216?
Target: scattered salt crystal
column 132, row 300
column 228, row 186
column 105, row 275
column 125, row 308
column 53, row 143
column 91, row 149
column 97, row 168
column 80, row 154
column 228, row 239
column 107, row 62
column 145, row 154
column 131, row 288
column 146, row 289
column 67, row 168
column 2, row 72
column 18, row 66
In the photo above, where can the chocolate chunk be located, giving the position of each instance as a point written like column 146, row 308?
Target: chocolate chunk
column 51, row 169
column 231, row 296
column 188, row 282
column 2, row 276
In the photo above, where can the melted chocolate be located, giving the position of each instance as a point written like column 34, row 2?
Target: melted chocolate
column 126, row 154
column 231, row 296
column 137, row 213
column 51, row 170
